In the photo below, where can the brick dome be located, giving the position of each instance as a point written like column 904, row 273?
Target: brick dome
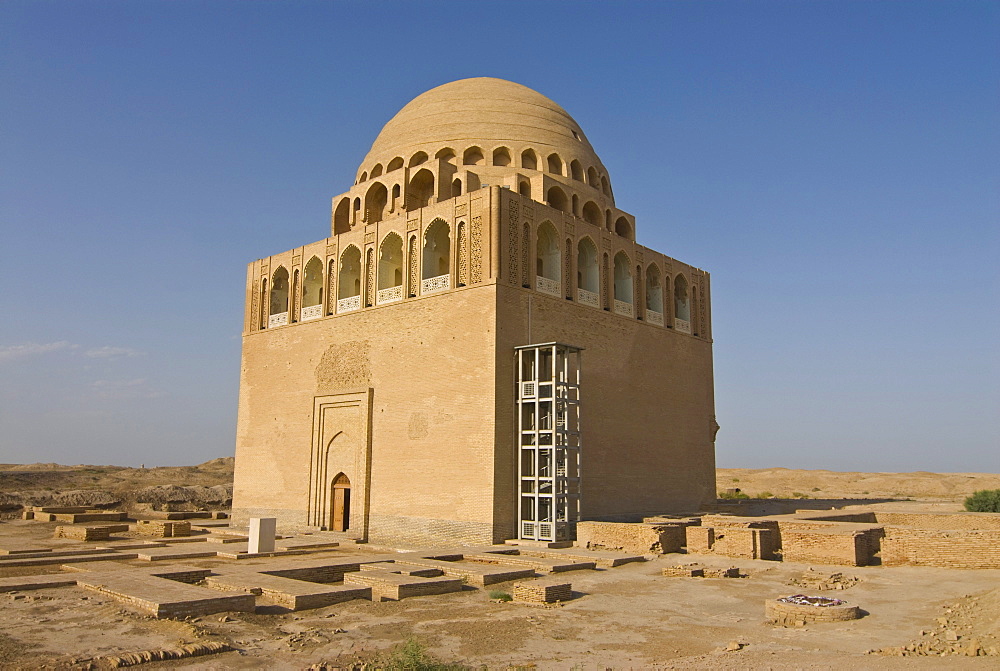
column 485, row 114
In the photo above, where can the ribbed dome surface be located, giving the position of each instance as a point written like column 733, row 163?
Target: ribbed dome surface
column 484, row 112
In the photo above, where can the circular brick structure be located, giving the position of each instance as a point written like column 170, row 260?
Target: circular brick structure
column 821, row 609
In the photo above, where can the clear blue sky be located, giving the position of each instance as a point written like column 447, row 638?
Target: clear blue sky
column 834, row 165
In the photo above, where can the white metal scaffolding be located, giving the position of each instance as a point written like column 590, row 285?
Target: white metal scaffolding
column 548, row 440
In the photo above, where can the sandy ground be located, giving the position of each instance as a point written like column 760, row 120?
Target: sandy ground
column 629, row 617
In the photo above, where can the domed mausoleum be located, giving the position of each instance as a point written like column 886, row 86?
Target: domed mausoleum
column 480, row 350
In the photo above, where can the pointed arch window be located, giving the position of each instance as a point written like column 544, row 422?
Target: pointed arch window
column 349, row 280
column 548, row 261
column 654, row 295
column 588, row 274
column 624, row 286
column 390, row 269
column 682, row 305
column 278, row 299
column 312, row 290
column 436, row 258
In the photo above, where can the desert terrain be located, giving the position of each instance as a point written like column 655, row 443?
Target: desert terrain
column 791, row 483
column 626, row 617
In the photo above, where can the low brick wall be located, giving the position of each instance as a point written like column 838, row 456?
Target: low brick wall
column 733, row 521
column 178, row 514
column 971, row 549
column 387, row 586
column 699, row 540
column 323, row 574
column 746, row 543
column 944, row 521
column 537, row 591
column 82, row 533
column 867, row 517
column 636, row 537
column 80, row 518
column 735, row 538
column 163, row 528
column 831, row 546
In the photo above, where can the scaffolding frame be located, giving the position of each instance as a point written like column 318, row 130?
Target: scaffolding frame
column 547, row 379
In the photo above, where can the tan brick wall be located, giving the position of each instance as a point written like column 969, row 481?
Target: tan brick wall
column 947, row 549
column 746, row 543
column 920, row 520
column 430, row 364
column 639, row 537
column 700, row 539
column 941, row 521
column 440, row 370
column 646, row 405
column 830, row 546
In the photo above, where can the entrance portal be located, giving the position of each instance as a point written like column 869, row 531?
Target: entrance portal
column 340, row 512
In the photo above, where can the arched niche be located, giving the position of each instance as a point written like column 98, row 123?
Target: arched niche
column 556, row 197
column 592, row 213
column 529, row 160
column 421, row 190
column 501, row 157
column 375, row 202
column 473, row 156
column 554, row 164
column 342, row 216
column 623, row 228
column 446, row 154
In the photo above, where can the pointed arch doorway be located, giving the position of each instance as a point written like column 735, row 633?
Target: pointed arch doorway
column 341, row 463
column 340, row 504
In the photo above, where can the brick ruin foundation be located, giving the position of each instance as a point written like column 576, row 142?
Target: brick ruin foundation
column 842, row 538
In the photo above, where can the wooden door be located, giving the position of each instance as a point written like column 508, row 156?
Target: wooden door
column 340, row 503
